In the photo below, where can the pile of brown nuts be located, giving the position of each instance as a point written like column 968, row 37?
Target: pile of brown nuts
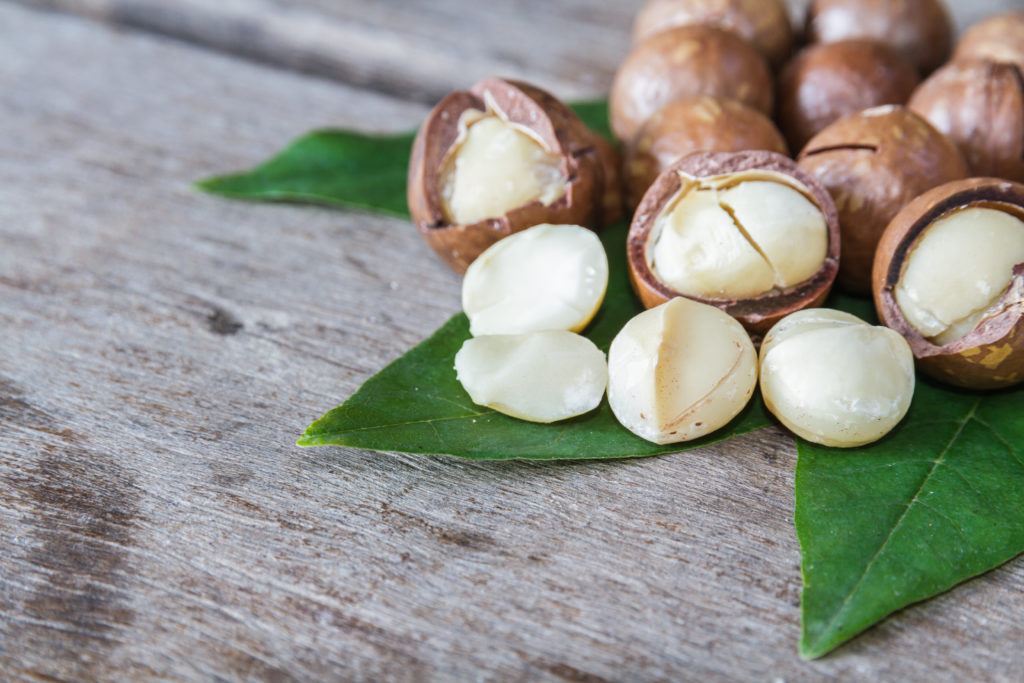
column 903, row 184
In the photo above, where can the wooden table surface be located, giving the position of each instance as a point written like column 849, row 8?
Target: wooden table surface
column 161, row 350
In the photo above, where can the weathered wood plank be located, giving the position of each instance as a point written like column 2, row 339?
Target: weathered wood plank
column 161, row 350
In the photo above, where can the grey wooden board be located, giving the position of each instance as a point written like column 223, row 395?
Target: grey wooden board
column 160, row 351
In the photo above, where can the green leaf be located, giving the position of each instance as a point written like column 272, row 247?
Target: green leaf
column 938, row 501
column 334, row 167
column 416, row 404
column 595, row 115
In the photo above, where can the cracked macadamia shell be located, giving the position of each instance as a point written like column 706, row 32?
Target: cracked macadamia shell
column 679, row 371
column 686, row 61
column 701, row 123
column 966, row 238
column 833, row 379
column 999, row 38
column 749, row 233
column 506, row 148
column 979, row 105
column 826, row 81
column 873, row 163
column 763, row 23
column 920, row 30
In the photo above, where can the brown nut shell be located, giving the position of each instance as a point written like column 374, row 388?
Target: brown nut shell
column 756, row 314
column 685, row 61
column 551, row 121
column 980, row 106
column 827, row 81
column 873, row 163
column 763, row 23
column 999, row 38
column 992, row 355
column 920, row 30
column 701, row 123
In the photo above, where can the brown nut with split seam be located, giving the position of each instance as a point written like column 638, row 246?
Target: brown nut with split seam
column 499, row 158
column 749, row 232
column 873, row 163
column 949, row 277
column 999, row 38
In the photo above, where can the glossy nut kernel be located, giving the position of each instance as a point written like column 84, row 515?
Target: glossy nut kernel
column 548, row 277
column 679, row 371
column 873, row 163
column 686, row 61
column 949, row 276
column 979, row 105
column 538, row 377
column 920, row 30
column 749, row 233
column 763, row 23
column 999, row 38
column 827, row 81
column 496, row 159
column 833, row 379
column 701, row 123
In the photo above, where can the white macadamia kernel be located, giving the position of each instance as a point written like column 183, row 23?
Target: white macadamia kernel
column 495, row 166
column 679, row 371
column 956, row 272
column 548, row 277
column 738, row 235
column 833, row 379
column 539, row 377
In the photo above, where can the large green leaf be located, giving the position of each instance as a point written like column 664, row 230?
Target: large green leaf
column 416, row 404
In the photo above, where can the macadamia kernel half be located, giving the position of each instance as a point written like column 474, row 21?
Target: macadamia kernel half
column 957, row 271
column 833, row 379
column 738, row 235
column 679, row 371
column 548, row 277
column 540, row 377
column 495, row 166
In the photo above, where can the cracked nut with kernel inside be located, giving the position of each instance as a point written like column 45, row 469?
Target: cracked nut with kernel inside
column 498, row 158
column 949, row 276
column 679, row 371
column 749, row 232
column 833, row 379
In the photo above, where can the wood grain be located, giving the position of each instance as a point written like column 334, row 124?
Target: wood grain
column 161, row 350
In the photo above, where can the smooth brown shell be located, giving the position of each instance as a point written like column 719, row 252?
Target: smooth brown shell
column 554, row 123
column 685, row 61
column 920, row 30
column 980, row 105
column 874, row 163
column 756, row 314
column 695, row 124
column 826, row 81
column 999, row 38
column 763, row 23
column 992, row 355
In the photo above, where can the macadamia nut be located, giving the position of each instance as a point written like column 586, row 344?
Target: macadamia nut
column 738, row 235
column 833, row 379
column 495, row 166
column 958, row 270
column 679, row 371
column 548, row 277
column 539, row 377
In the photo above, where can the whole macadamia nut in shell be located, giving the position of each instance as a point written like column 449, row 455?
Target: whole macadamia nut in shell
column 873, row 163
column 701, row 123
column 920, row 30
column 764, row 23
column 999, row 38
column 826, row 81
column 685, row 61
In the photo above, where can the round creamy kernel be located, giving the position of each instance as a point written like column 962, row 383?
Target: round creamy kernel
column 679, row 371
column 540, row 377
column 493, row 167
column 833, row 379
column 548, row 277
column 738, row 236
column 956, row 272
